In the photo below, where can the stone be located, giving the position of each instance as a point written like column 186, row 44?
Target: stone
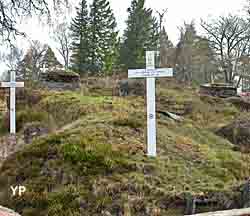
column 238, row 133
column 34, row 130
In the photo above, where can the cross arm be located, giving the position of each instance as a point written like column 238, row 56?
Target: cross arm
column 12, row 84
column 147, row 73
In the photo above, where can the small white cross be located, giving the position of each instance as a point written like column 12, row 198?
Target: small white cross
column 12, row 85
column 151, row 73
column 44, row 69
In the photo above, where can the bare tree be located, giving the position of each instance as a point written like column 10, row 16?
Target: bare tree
column 30, row 67
column 13, row 58
column 194, row 61
column 161, row 17
column 184, row 52
column 229, row 37
column 166, row 50
column 63, row 39
column 11, row 11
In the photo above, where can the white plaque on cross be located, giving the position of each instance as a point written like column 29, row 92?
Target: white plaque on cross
column 150, row 73
column 12, row 85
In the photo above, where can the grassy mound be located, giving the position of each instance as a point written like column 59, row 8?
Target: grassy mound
column 97, row 163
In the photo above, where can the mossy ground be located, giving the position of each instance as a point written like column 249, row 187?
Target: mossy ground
column 97, row 161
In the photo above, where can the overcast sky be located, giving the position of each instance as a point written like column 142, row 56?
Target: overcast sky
column 178, row 12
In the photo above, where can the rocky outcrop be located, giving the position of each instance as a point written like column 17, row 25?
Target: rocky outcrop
column 238, row 133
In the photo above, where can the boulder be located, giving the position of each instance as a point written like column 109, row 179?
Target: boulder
column 33, row 130
column 238, row 133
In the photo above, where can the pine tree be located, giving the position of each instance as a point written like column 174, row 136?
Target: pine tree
column 103, row 36
column 80, row 39
column 142, row 34
column 50, row 60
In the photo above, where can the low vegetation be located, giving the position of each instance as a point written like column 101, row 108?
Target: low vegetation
column 96, row 161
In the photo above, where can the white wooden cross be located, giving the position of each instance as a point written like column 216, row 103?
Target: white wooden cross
column 150, row 73
column 44, row 69
column 12, row 85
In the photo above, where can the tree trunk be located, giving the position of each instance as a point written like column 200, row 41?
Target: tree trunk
column 226, row 76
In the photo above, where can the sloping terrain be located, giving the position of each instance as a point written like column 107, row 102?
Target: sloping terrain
column 94, row 163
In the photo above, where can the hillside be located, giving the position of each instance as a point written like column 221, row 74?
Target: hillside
column 93, row 161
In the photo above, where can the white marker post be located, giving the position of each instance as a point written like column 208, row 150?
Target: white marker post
column 151, row 73
column 12, row 85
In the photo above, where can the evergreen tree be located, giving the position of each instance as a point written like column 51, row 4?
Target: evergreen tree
column 80, row 39
column 142, row 34
column 50, row 60
column 103, row 36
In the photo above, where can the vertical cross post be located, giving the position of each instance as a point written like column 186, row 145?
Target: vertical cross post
column 12, row 85
column 12, row 103
column 151, row 116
